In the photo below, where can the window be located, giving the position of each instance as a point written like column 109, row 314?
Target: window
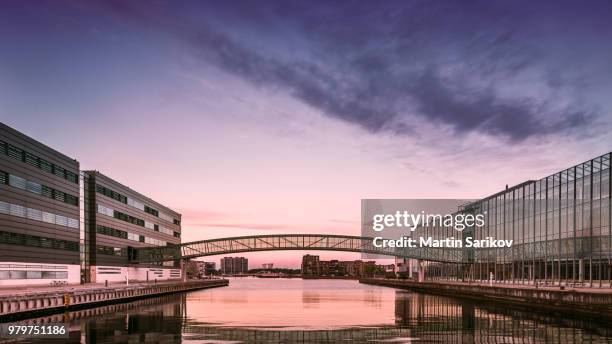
column 71, row 199
column 15, row 152
column 58, row 195
column 47, row 191
column 177, row 234
column 111, row 194
column 36, row 161
column 72, row 177
column 17, row 210
column 109, row 251
column 38, row 215
column 112, row 232
column 58, row 171
column 151, row 211
column 34, row 214
column 33, row 274
column 36, row 241
column 46, row 166
column 17, row 182
column 61, row 220
column 128, row 218
column 73, row 223
column 165, row 217
column 17, row 274
column 36, row 188
column 4, row 208
column 31, row 159
column 177, row 222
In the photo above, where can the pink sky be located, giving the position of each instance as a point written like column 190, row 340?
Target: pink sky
column 281, row 122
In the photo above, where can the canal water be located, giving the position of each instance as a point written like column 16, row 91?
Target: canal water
column 255, row 310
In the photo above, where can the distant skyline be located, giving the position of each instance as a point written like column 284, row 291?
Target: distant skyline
column 280, row 116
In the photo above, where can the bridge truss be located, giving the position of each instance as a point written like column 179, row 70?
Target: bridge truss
column 284, row 242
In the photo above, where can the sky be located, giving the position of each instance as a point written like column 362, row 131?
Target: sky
column 280, row 116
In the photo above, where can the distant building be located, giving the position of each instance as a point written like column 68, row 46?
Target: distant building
column 267, row 266
column 312, row 266
column 234, row 265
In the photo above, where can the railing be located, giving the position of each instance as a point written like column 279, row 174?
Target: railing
column 283, row 242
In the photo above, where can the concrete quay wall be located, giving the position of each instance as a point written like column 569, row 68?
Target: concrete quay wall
column 593, row 302
column 33, row 304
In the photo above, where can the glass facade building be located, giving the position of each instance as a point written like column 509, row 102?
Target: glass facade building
column 560, row 227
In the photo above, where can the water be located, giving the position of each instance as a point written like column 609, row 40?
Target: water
column 312, row 311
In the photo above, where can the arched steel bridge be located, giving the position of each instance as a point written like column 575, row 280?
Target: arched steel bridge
column 284, row 242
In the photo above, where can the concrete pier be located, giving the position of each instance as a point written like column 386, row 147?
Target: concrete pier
column 34, row 303
column 597, row 302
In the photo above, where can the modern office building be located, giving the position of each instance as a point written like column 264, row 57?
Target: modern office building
column 119, row 219
column 59, row 225
column 39, row 212
column 234, row 265
column 560, row 227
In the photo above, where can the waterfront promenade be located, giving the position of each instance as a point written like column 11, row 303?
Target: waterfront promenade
column 590, row 301
column 31, row 301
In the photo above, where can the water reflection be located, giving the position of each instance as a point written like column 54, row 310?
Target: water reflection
column 212, row 316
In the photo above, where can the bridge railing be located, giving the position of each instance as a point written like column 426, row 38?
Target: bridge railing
column 278, row 242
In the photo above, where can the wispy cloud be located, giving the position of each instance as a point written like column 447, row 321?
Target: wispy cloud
column 474, row 68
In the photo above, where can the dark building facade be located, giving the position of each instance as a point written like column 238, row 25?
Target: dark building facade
column 118, row 219
column 62, row 225
column 39, row 212
column 234, row 265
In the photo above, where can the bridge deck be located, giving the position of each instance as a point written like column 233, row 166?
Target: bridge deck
column 277, row 242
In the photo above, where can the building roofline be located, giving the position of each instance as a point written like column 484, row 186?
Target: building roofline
column 35, row 142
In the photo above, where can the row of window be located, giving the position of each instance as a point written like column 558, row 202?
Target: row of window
column 37, row 215
column 121, row 216
column 37, row 241
column 29, row 266
column 130, row 236
column 23, row 274
column 24, row 184
column 134, row 220
column 134, row 203
column 165, row 230
column 34, row 160
column 111, row 232
column 110, row 251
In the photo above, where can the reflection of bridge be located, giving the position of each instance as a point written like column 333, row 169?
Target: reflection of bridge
column 283, row 242
column 427, row 318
